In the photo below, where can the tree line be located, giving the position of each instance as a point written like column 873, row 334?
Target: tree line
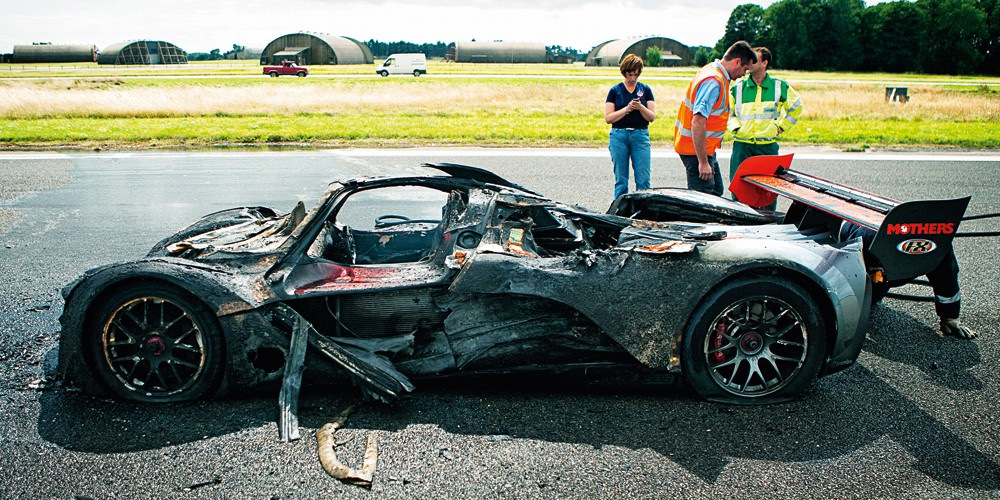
column 931, row 36
column 385, row 49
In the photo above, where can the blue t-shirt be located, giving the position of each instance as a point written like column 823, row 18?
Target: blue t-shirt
column 621, row 97
column 707, row 94
column 706, row 97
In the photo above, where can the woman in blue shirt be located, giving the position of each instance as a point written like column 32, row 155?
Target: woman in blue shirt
column 629, row 109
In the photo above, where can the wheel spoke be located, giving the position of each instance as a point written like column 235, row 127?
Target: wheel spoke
column 789, row 343
column 188, row 348
column 185, row 334
column 121, row 328
column 120, row 359
column 774, row 319
column 785, row 330
column 165, row 328
column 156, row 371
column 723, row 348
column 777, row 371
column 785, row 358
column 185, row 363
column 173, row 368
column 131, row 372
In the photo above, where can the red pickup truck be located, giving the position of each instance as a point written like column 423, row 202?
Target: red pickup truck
column 286, row 68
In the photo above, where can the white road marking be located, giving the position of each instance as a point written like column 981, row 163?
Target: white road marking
column 495, row 153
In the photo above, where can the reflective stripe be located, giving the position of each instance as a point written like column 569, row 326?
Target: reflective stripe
column 739, row 100
column 793, row 107
column 714, row 112
column 948, row 300
column 755, row 140
column 760, row 116
column 791, row 119
column 686, row 132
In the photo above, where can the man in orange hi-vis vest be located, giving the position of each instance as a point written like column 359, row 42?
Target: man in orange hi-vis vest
column 702, row 117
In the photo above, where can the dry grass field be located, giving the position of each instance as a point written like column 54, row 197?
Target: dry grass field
column 545, row 109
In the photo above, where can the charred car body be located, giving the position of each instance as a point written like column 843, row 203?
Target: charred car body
column 460, row 272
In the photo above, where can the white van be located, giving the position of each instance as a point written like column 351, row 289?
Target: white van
column 402, row 64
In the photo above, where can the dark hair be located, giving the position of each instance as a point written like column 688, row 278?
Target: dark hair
column 630, row 63
column 741, row 50
column 764, row 54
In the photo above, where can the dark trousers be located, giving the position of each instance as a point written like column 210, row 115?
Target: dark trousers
column 711, row 186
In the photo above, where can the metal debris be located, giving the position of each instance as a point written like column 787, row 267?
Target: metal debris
column 326, row 442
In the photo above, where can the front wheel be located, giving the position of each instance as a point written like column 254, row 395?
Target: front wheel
column 155, row 343
column 384, row 73
column 754, row 340
column 301, row 74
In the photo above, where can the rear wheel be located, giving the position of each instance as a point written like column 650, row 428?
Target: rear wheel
column 155, row 343
column 274, row 74
column 416, row 72
column 754, row 341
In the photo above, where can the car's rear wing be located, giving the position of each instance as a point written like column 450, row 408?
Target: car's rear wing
column 910, row 238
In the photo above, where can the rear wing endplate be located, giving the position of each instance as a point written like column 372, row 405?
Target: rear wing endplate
column 910, row 238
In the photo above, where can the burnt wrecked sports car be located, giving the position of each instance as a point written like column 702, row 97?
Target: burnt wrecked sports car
column 460, row 271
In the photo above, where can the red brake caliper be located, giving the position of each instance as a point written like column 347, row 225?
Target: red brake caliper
column 718, row 341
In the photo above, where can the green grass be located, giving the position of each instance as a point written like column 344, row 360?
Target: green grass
column 469, row 128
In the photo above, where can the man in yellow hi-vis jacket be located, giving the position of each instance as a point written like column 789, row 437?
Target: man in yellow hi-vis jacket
column 763, row 108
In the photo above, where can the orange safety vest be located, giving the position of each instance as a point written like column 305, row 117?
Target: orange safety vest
column 715, row 125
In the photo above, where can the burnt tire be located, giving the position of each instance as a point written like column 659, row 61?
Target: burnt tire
column 155, row 343
column 754, row 341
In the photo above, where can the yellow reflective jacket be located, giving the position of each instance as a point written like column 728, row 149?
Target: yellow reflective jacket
column 758, row 111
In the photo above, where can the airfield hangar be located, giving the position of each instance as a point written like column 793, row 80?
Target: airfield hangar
column 612, row 52
column 498, row 52
column 142, row 52
column 52, row 53
column 316, row 49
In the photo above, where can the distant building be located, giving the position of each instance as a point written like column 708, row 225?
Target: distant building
column 245, row 54
column 50, row 53
column 612, row 52
column 142, row 52
column 497, row 52
column 316, row 49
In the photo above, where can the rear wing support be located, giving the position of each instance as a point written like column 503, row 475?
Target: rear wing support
column 909, row 238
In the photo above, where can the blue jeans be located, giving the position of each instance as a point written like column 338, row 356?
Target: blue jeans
column 711, row 186
column 625, row 144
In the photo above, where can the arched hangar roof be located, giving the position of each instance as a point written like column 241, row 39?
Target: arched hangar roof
column 142, row 52
column 316, row 49
column 611, row 52
column 500, row 52
column 46, row 52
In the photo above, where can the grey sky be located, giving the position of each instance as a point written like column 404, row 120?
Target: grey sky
column 199, row 25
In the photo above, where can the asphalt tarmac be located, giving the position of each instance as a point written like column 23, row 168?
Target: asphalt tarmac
column 916, row 416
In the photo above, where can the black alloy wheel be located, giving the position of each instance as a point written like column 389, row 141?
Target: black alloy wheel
column 155, row 343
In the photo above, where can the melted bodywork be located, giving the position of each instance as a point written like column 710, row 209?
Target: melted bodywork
column 501, row 279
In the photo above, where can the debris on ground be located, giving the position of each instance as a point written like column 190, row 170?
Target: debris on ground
column 327, row 444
